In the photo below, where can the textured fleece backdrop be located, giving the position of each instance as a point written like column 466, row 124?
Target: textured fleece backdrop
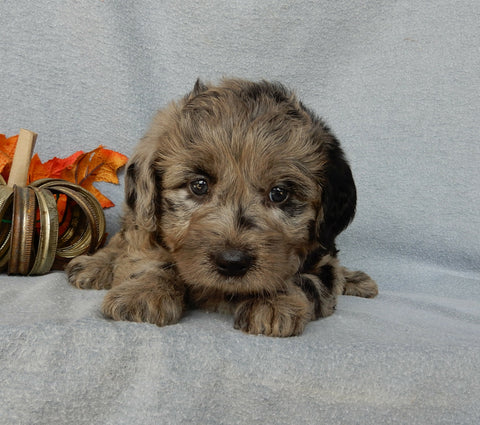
column 399, row 84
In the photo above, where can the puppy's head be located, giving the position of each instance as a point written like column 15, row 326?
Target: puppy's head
column 242, row 184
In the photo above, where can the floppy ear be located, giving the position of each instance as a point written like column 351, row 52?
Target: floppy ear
column 143, row 188
column 199, row 87
column 339, row 195
column 143, row 179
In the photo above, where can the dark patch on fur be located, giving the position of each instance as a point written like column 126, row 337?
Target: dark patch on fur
column 295, row 114
column 134, row 276
column 131, row 179
column 157, row 239
column 293, row 208
column 199, row 87
column 339, row 196
column 273, row 90
column 312, row 231
column 158, row 177
column 313, row 258
column 170, row 205
column 327, row 276
column 311, row 291
column 242, row 221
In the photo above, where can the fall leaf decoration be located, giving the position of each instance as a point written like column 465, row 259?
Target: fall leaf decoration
column 52, row 168
column 51, row 212
column 98, row 165
column 7, row 149
column 80, row 168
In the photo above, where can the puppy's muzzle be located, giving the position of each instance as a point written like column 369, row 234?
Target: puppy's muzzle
column 233, row 262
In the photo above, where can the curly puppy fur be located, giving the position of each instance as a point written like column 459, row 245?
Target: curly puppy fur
column 234, row 198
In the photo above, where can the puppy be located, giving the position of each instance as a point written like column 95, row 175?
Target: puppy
column 234, row 198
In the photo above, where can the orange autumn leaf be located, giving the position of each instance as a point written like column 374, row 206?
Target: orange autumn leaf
column 53, row 168
column 80, row 168
column 97, row 165
column 7, row 149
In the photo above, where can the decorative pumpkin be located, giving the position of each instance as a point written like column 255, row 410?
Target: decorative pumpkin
column 34, row 237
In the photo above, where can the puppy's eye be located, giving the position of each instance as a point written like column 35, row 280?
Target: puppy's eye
column 278, row 194
column 199, row 187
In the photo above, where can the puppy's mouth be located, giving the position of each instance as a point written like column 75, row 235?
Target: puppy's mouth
column 233, row 262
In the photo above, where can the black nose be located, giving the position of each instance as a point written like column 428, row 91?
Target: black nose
column 233, row 262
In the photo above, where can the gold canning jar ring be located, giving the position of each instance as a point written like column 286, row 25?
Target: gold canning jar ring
column 47, row 242
column 6, row 202
column 23, row 229
column 86, row 234
column 29, row 226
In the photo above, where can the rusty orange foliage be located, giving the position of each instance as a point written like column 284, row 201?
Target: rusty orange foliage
column 98, row 165
column 7, row 149
column 80, row 168
column 53, row 168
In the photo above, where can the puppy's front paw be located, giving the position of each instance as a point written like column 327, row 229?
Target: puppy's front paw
column 359, row 284
column 281, row 316
column 142, row 303
column 90, row 272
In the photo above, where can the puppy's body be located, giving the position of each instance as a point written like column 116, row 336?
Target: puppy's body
column 234, row 198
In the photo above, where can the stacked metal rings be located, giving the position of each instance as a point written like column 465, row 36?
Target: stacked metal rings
column 32, row 240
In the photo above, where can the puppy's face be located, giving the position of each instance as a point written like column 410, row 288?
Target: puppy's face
column 240, row 185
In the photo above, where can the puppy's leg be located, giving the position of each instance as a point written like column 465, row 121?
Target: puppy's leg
column 281, row 315
column 321, row 295
column 286, row 313
column 359, row 284
column 96, row 271
column 150, row 293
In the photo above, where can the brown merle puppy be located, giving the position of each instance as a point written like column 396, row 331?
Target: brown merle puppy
column 234, row 198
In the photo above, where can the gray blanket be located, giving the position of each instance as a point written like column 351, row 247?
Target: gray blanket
column 399, row 84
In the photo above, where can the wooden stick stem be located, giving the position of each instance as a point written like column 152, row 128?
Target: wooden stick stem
column 21, row 159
